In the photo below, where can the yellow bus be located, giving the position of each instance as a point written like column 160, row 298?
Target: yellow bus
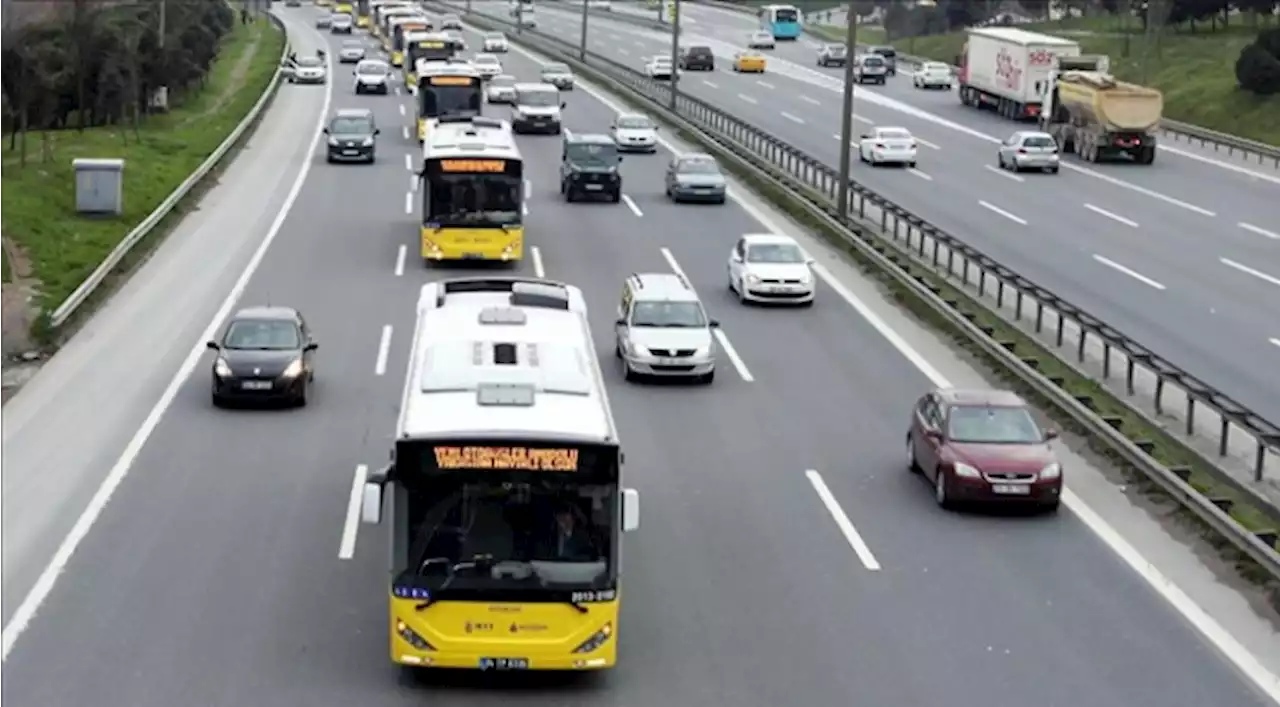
column 426, row 47
column 386, row 15
column 344, row 6
column 324, row 3
column 400, row 26
column 362, row 13
column 472, row 192
column 445, row 91
column 504, row 500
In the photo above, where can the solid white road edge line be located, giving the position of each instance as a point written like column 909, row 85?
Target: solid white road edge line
column 1231, row 649
column 632, row 205
column 39, row 591
column 1250, row 271
column 384, row 349
column 400, row 256
column 1127, row 271
column 351, row 524
column 851, row 534
column 536, row 254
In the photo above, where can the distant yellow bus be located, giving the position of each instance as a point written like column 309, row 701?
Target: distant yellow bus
column 425, row 47
column 446, row 91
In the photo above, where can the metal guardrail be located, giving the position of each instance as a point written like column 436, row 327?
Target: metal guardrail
column 99, row 275
column 812, row 185
column 1232, row 145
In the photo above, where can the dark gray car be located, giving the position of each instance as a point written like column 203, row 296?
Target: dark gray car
column 266, row 354
column 352, row 136
column 695, row 177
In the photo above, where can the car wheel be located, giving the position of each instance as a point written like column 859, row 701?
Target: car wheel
column 742, row 293
column 627, row 373
column 708, row 378
column 216, row 399
column 912, row 165
column 616, row 197
column 1053, row 170
column 912, row 465
column 1051, row 506
column 568, row 194
column 941, row 492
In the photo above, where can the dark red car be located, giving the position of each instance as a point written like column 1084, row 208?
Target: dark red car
column 983, row 446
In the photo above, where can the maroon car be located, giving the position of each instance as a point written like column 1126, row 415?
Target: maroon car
column 983, row 446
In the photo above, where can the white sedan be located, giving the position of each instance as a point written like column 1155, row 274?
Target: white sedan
column 501, row 89
column 495, row 42
column 659, row 67
column 768, row 267
column 933, row 74
column 761, row 40
column 634, row 131
column 888, row 146
column 487, row 65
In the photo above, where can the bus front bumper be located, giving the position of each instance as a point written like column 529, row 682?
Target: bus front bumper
column 600, row 660
column 470, row 244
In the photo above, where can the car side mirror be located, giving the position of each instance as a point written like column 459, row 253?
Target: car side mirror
column 311, row 346
column 377, row 131
column 371, row 504
column 630, row 510
column 1050, row 434
column 212, row 345
column 325, row 131
column 810, row 262
column 714, row 324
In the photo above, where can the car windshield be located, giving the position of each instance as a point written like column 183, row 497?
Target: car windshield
column 762, row 35
column 982, row 424
column 593, row 154
column 340, row 18
column 835, row 49
column 699, row 166
column 349, row 126
column 262, row 335
column 939, row 68
column 683, row 315
column 774, row 253
column 538, row 99
column 885, row 51
column 504, row 81
column 1039, row 141
column 310, row 62
column 486, row 59
column 893, row 135
column 661, row 60
column 352, row 44
column 635, row 122
column 872, row 61
column 494, row 37
column 372, row 68
column 555, row 69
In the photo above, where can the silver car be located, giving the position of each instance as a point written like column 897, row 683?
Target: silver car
column 695, row 177
column 352, row 51
column 1029, row 149
column 501, row 89
column 324, row 22
column 309, row 69
column 662, row 329
column 558, row 75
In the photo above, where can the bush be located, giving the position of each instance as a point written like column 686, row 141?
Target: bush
column 1258, row 70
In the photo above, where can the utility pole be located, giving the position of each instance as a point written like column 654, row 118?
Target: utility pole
column 846, row 120
column 519, row 16
column 161, row 30
column 582, row 47
column 675, row 53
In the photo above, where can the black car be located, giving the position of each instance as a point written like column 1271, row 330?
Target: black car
column 589, row 167
column 697, row 59
column 352, row 136
column 265, row 355
column 890, row 58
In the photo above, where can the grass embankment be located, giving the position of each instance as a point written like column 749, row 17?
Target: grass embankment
column 1159, row 444
column 39, row 199
column 1196, row 72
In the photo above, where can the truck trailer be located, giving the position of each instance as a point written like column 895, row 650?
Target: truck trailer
column 1089, row 112
column 1007, row 69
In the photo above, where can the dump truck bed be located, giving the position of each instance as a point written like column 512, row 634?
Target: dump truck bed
column 1115, row 105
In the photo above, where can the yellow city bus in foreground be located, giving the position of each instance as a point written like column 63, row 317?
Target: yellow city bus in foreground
column 472, row 192
column 504, row 500
column 443, row 91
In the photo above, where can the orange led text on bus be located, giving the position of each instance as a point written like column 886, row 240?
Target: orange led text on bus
column 507, row 458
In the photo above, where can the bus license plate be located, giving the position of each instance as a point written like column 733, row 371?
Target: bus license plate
column 473, row 256
column 504, row 663
column 256, row 385
column 1011, row 489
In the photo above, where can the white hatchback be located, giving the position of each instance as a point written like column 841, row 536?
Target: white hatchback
column 487, row 65
column 659, row 67
column 768, row 267
column 888, row 146
column 761, row 40
column 933, row 74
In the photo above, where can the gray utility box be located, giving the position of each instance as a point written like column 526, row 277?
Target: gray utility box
column 99, row 186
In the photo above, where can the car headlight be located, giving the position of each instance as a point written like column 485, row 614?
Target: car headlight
column 1052, row 471
column 753, row 279
column 966, row 471
column 221, row 368
column 368, row 142
column 333, row 142
column 597, row 639
column 294, row 369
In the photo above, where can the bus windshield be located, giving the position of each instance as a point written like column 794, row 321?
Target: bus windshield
column 785, row 14
column 472, row 200
column 489, row 529
column 449, row 101
column 430, row 51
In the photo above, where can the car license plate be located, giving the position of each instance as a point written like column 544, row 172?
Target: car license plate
column 669, row 362
column 504, row 663
column 1011, row 489
column 350, row 152
column 539, row 124
column 256, row 385
column 595, row 187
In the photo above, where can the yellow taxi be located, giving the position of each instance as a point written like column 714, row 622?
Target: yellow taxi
column 748, row 62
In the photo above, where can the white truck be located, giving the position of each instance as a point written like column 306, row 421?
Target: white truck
column 1007, row 70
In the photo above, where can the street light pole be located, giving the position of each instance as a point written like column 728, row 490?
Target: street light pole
column 582, row 48
column 519, row 17
column 675, row 53
column 846, row 119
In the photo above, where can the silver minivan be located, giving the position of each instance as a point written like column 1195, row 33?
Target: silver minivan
column 663, row 331
column 870, row 68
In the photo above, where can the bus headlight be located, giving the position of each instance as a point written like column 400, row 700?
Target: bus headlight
column 599, row 638
column 408, row 635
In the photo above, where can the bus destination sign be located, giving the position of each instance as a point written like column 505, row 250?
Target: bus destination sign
column 489, row 458
column 474, row 166
column 452, row 80
column 429, row 44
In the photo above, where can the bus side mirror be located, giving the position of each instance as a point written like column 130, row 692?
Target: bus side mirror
column 630, row 510
column 371, row 504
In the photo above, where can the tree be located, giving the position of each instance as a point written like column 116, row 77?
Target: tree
column 1258, row 67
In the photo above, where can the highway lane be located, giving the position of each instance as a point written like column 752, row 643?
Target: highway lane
column 1102, row 238
column 230, row 591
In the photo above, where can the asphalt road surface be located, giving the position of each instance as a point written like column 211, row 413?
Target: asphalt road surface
column 1182, row 255
column 213, row 576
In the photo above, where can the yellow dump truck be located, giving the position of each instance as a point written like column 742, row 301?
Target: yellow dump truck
column 1099, row 117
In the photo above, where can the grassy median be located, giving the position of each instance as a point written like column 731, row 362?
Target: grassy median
column 39, row 198
column 1196, row 71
